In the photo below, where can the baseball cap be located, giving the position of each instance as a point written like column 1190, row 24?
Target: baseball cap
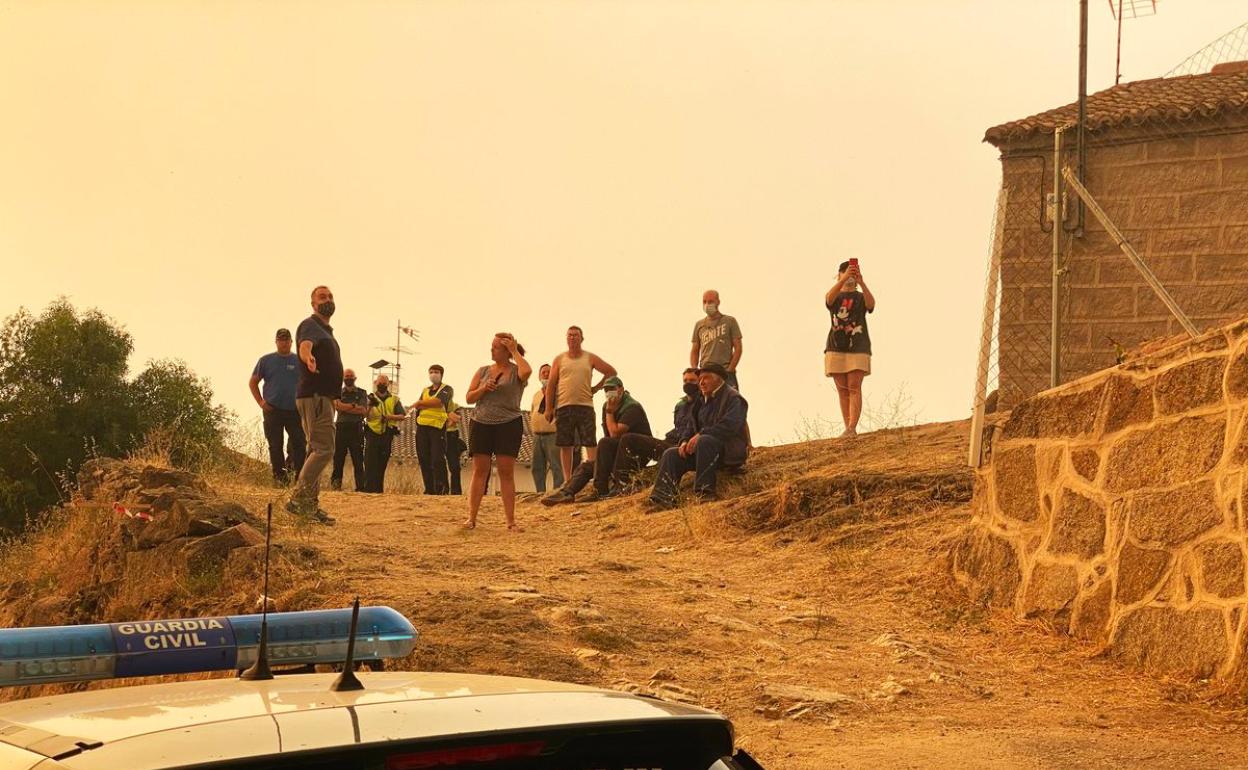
column 613, row 382
column 283, row 334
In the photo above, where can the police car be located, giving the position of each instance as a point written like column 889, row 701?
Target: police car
column 381, row 720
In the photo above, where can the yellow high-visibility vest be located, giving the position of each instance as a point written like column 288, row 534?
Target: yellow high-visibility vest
column 434, row 417
column 385, row 406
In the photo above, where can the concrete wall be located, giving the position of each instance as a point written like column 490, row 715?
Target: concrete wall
column 1114, row 508
column 1181, row 200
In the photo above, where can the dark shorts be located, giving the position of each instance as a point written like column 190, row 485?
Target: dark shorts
column 502, row 440
column 574, row 426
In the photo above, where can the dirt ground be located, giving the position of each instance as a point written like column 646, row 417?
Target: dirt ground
column 825, row 630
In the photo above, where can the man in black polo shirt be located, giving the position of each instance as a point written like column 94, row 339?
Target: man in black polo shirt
column 352, row 406
column 320, row 384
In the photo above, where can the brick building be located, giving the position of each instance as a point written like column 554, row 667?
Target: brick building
column 1168, row 161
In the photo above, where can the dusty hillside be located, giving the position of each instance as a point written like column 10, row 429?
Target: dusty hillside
column 812, row 607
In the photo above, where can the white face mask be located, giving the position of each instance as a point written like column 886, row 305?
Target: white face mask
column 435, row 378
column 711, row 308
column 610, row 394
column 543, row 381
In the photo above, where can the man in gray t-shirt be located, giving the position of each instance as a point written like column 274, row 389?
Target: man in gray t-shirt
column 716, row 339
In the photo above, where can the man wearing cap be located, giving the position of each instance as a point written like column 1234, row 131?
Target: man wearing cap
column 433, row 412
column 320, row 383
column 622, row 415
column 716, row 438
column 279, row 372
column 352, row 408
column 636, row 450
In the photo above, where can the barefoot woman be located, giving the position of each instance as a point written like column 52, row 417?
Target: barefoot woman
column 497, row 427
column 847, row 355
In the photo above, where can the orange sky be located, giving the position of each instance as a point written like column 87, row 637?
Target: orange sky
column 193, row 169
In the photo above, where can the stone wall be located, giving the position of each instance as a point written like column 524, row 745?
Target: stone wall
column 1183, row 203
column 1113, row 507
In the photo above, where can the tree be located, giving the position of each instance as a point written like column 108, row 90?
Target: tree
column 64, row 396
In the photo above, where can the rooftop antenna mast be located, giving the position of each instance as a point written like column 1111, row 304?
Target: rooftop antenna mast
column 398, row 349
column 1128, row 9
column 260, row 669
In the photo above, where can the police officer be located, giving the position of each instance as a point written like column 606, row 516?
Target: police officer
column 434, row 408
column 381, row 425
column 352, row 408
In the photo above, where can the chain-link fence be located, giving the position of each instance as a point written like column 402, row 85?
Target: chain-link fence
column 1152, row 244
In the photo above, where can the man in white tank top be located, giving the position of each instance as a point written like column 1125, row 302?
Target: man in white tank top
column 570, row 399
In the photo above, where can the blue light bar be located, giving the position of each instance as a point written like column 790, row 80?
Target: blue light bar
column 49, row 654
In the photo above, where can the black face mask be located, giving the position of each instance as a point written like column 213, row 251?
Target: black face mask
column 326, row 309
column 349, row 383
column 383, row 389
column 691, row 389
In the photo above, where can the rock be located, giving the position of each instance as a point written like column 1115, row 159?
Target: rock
column 1056, row 415
column 152, row 477
column 663, row 675
column 677, row 693
column 514, row 589
column 1139, row 572
column 574, row 615
column 1165, row 454
column 799, row 694
column 1237, row 375
column 664, row 549
column 47, row 611
column 1221, row 568
column 1050, row 593
column 1127, row 403
column 589, row 655
column 1091, row 617
column 888, row 690
column 191, row 517
column 1014, row 472
column 1171, row 641
column 215, row 548
column 1191, row 385
column 733, row 624
column 991, row 564
column 520, row 596
column 1078, row 526
column 1175, row 516
column 1086, row 463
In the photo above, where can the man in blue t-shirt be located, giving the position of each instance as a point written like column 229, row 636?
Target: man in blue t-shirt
column 280, row 374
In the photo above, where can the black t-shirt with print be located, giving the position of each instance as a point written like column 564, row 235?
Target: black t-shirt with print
column 849, row 324
column 327, row 379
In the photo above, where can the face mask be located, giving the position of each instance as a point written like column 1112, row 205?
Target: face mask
column 436, row 379
column 543, row 382
column 691, row 389
column 610, row 394
column 711, row 308
column 383, row 389
column 326, row 309
column 350, row 382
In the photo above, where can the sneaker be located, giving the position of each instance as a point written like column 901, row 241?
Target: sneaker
column 559, row 496
column 613, row 492
column 592, row 496
column 321, row 517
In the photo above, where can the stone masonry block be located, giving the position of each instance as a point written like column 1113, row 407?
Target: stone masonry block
column 1175, row 176
column 1015, row 483
column 1222, row 568
column 1213, row 208
column 1051, row 593
column 1237, row 375
column 1091, row 617
column 1224, row 144
column 1169, row 149
column 1117, row 269
column 1102, row 303
column 1171, row 641
column 1219, row 267
column 991, row 563
column 1183, row 240
column 1078, row 526
column 1056, row 415
column 1086, row 463
column 1235, row 171
column 1139, row 572
column 1175, row 516
column 1191, row 386
column 1165, row 454
column 1154, row 211
column 1235, row 239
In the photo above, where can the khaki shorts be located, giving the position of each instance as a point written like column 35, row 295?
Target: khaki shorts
column 844, row 363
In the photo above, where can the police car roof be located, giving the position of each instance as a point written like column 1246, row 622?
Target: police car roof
column 182, row 723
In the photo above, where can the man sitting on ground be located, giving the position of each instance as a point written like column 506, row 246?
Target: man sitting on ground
column 621, row 415
column 637, row 450
column 715, row 439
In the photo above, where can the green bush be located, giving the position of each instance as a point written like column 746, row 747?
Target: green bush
column 65, row 396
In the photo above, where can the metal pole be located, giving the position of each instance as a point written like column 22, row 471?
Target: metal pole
column 1131, row 253
column 985, row 336
column 1118, row 59
column 1055, row 312
column 1083, row 104
column 398, row 343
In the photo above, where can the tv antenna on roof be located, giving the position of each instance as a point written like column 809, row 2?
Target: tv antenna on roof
column 398, row 349
column 1128, row 9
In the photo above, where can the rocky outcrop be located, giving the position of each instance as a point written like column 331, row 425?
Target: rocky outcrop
column 1113, row 507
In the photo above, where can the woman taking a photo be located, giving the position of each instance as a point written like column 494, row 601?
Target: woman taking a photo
column 497, row 428
column 847, row 354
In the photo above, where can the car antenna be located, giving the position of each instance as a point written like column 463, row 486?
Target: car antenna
column 347, row 680
column 260, row 669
